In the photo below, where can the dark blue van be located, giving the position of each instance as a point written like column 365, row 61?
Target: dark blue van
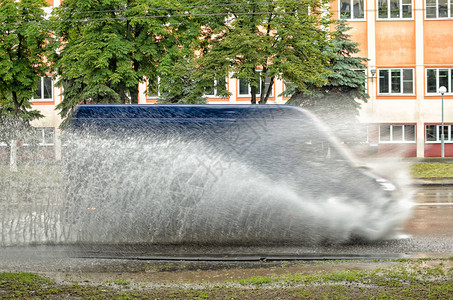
column 218, row 174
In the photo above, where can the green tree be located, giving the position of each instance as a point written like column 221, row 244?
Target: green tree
column 260, row 41
column 109, row 47
column 338, row 101
column 24, row 44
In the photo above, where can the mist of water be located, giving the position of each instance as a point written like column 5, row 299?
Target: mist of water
column 240, row 184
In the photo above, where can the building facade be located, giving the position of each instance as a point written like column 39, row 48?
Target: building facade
column 408, row 44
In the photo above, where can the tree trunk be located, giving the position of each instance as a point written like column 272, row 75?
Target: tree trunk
column 13, row 156
column 264, row 99
column 134, row 95
column 253, row 93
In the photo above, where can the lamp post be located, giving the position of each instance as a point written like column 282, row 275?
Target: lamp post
column 442, row 91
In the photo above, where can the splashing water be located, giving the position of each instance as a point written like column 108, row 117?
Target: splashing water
column 233, row 183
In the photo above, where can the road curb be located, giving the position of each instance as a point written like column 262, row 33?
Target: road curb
column 433, row 182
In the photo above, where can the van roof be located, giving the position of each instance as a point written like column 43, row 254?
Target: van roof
column 192, row 111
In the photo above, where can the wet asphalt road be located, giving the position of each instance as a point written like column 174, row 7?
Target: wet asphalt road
column 429, row 233
column 433, row 217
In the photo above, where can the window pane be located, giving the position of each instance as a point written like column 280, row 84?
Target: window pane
column 47, row 88
column 443, row 8
column 451, row 81
column 384, row 81
column 394, row 8
column 451, row 7
column 287, row 84
column 443, row 78
column 358, row 9
column 221, row 83
column 431, row 81
column 409, row 133
column 258, row 87
column 383, row 6
column 408, row 80
column 345, row 9
column 384, row 133
column 152, row 94
column 430, row 9
column 243, row 88
column 397, row 133
column 48, row 136
column 209, row 91
column 431, row 132
column 266, row 86
column 153, row 88
column 39, row 90
column 407, row 8
column 408, row 87
column 445, row 132
column 220, row 86
column 396, row 81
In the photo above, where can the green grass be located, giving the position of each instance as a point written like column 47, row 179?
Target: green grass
column 52, row 172
column 411, row 279
column 432, row 170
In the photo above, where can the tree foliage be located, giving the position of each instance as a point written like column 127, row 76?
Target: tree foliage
column 108, row 47
column 24, row 44
column 346, row 82
column 259, row 40
column 338, row 101
column 180, row 48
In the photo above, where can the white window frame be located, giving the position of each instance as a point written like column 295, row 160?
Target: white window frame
column 248, row 95
column 449, row 85
column 352, row 18
column 42, row 98
column 43, row 137
column 401, row 4
column 402, row 81
column 448, row 138
column 436, row 7
column 392, row 140
column 287, row 84
column 365, row 76
column 158, row 90
column 47, row 11
column 215, row 90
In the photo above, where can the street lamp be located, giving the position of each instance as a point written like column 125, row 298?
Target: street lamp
column 442, row 91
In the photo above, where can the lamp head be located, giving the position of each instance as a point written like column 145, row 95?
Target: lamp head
column 442, row 90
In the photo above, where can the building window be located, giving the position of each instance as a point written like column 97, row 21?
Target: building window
column 361, row 73
column 434, row 133
column 217, row 87
column 154, row 91
column 44, row 89
column 438, row 9
column 245, row 90
column 47, row 12
column 352, row 9
column 397, row 133
column 396, row 81
column 435, row 78
column 395, row 9
column 288, row 88
column 46, row 136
